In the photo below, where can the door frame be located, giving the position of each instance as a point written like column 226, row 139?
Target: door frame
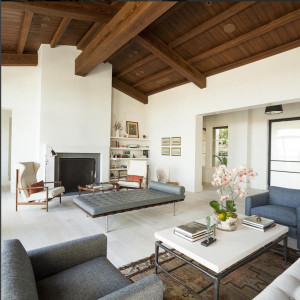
column 269, row 146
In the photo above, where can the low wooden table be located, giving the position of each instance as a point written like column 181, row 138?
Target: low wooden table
column 99, row 187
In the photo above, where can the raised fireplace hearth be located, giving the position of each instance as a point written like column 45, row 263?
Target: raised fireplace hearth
column 75, row 169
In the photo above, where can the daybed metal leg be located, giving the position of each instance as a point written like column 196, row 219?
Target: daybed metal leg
column 106, row 224
column 156, row 256
column 174, row 209
column 285, row 249
column 216, row 288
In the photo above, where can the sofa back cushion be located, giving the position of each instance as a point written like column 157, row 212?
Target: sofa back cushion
column 284, row 196
column 17, row 279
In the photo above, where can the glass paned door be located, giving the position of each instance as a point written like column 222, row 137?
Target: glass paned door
column 284, row 164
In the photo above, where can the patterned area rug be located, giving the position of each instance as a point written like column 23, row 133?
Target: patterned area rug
column 244, row 283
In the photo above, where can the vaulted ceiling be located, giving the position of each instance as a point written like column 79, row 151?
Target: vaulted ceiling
column 152, row 46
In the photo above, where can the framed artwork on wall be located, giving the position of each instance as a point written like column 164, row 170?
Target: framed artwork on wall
column 176, row 151
column 176, row 141
column 165, row 151
column 165, row 141
column 132, row 129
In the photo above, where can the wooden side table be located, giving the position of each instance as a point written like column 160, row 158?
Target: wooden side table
column 172, row 182
column 107, row 186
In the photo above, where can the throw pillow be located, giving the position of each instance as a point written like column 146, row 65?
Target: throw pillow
column 36, row 185
column 133, row 178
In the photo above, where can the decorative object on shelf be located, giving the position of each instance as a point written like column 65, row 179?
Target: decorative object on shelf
column 176, row 141
column 133, row 156
column 117, row 126
column 132, row 128
column 176, row 151
column 145, row 153
column 144, row 136
column 209, row 240
column 125, row 135
column 228, row 187
column 161, row 175
column 165, row 141
column 165, row 151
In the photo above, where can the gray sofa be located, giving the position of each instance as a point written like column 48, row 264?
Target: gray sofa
column 279, row 204
column 73, row 270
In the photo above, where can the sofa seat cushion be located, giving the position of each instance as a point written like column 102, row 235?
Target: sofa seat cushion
column 286, row 286
column 17, row 278
column 129, row 184
column 280, row 214
column 41, row 196
column 90, row 280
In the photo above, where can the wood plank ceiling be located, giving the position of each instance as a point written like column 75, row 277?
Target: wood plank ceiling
column 152, row 46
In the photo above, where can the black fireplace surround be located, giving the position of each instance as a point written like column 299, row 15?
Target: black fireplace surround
column 75, row 169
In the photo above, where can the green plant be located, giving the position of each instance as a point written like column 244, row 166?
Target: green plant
column 222, row 160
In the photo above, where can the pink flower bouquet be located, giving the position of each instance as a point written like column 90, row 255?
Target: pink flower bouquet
column 228, row 187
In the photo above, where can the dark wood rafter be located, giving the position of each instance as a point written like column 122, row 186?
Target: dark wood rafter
column 87, row 11
column 248, row 36
column 84, row 41
column 148, row 40
column 191, row 34
column 129, row 90
column 24, row 31
column 60, row 31
column 255, row 57
column 131, row 19
column 13, row 59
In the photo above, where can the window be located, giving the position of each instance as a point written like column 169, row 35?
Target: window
column 203, row 147
column 220, row 146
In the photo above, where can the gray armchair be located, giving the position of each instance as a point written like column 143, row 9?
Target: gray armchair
column 73, row 270
column 279, row 204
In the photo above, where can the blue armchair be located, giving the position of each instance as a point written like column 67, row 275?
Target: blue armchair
column 280, row 204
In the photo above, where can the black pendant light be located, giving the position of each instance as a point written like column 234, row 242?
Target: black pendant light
column 274, row 109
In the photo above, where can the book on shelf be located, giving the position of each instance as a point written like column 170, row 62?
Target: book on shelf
column 191, row 229
column 263, row 229
column 193, row 239
column 259, row 222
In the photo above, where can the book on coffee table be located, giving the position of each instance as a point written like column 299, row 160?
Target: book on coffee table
column 195, row 238
column 258, row 222
column 192, row 229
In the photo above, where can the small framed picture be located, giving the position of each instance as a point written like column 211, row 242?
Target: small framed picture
column 123, row 173
column 132, row 129
column 176, row 151
column 165, row 151
column 165, row 141
column 176, row 141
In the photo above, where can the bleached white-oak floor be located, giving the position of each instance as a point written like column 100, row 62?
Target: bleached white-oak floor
column 131, row 235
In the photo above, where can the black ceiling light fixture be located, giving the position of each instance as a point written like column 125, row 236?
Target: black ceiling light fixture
column 274, row 109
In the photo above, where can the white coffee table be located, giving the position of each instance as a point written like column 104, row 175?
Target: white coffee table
column 230, row 251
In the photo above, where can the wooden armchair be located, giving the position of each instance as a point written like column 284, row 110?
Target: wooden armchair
column 26, row 184
column 137, row 175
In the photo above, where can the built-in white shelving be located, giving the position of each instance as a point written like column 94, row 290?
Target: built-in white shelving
column 129, row 139
column 123, row 148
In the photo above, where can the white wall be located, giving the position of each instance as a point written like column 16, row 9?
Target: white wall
column 172, row 112
column 52, row 106
column 125, row 108
column 5, row 147
column 20, row 94
column 75, row 110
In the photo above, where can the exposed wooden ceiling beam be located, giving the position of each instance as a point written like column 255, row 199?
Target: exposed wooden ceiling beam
column 295, row 15
column 130, row 91
column 148, row 40
column 60, row 31
column 191, row 34
column 255, row 57
column 154, row 76
column 235, row 9
column 13, row 59
column 24, row 31
column 84, row 41
column 85, row 11
column 131, row 19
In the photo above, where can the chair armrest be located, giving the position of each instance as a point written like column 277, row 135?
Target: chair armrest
column 53, row 259
column 256, row 200
column 149, row 288
column 32, row 188
column 59, row 182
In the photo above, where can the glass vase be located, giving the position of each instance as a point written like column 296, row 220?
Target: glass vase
column 230, row 224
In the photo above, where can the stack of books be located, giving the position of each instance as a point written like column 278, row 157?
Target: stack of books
column 258, row 223
column 192, row 231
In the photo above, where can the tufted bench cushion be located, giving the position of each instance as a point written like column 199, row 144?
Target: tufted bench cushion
column 284, row 287
column 102, row 203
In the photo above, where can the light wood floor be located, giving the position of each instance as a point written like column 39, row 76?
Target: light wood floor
column 131, row 235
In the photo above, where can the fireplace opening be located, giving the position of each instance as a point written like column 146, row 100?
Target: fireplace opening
column 76, row 169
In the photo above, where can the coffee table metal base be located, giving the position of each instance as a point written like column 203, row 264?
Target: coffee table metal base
column 215, row 277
